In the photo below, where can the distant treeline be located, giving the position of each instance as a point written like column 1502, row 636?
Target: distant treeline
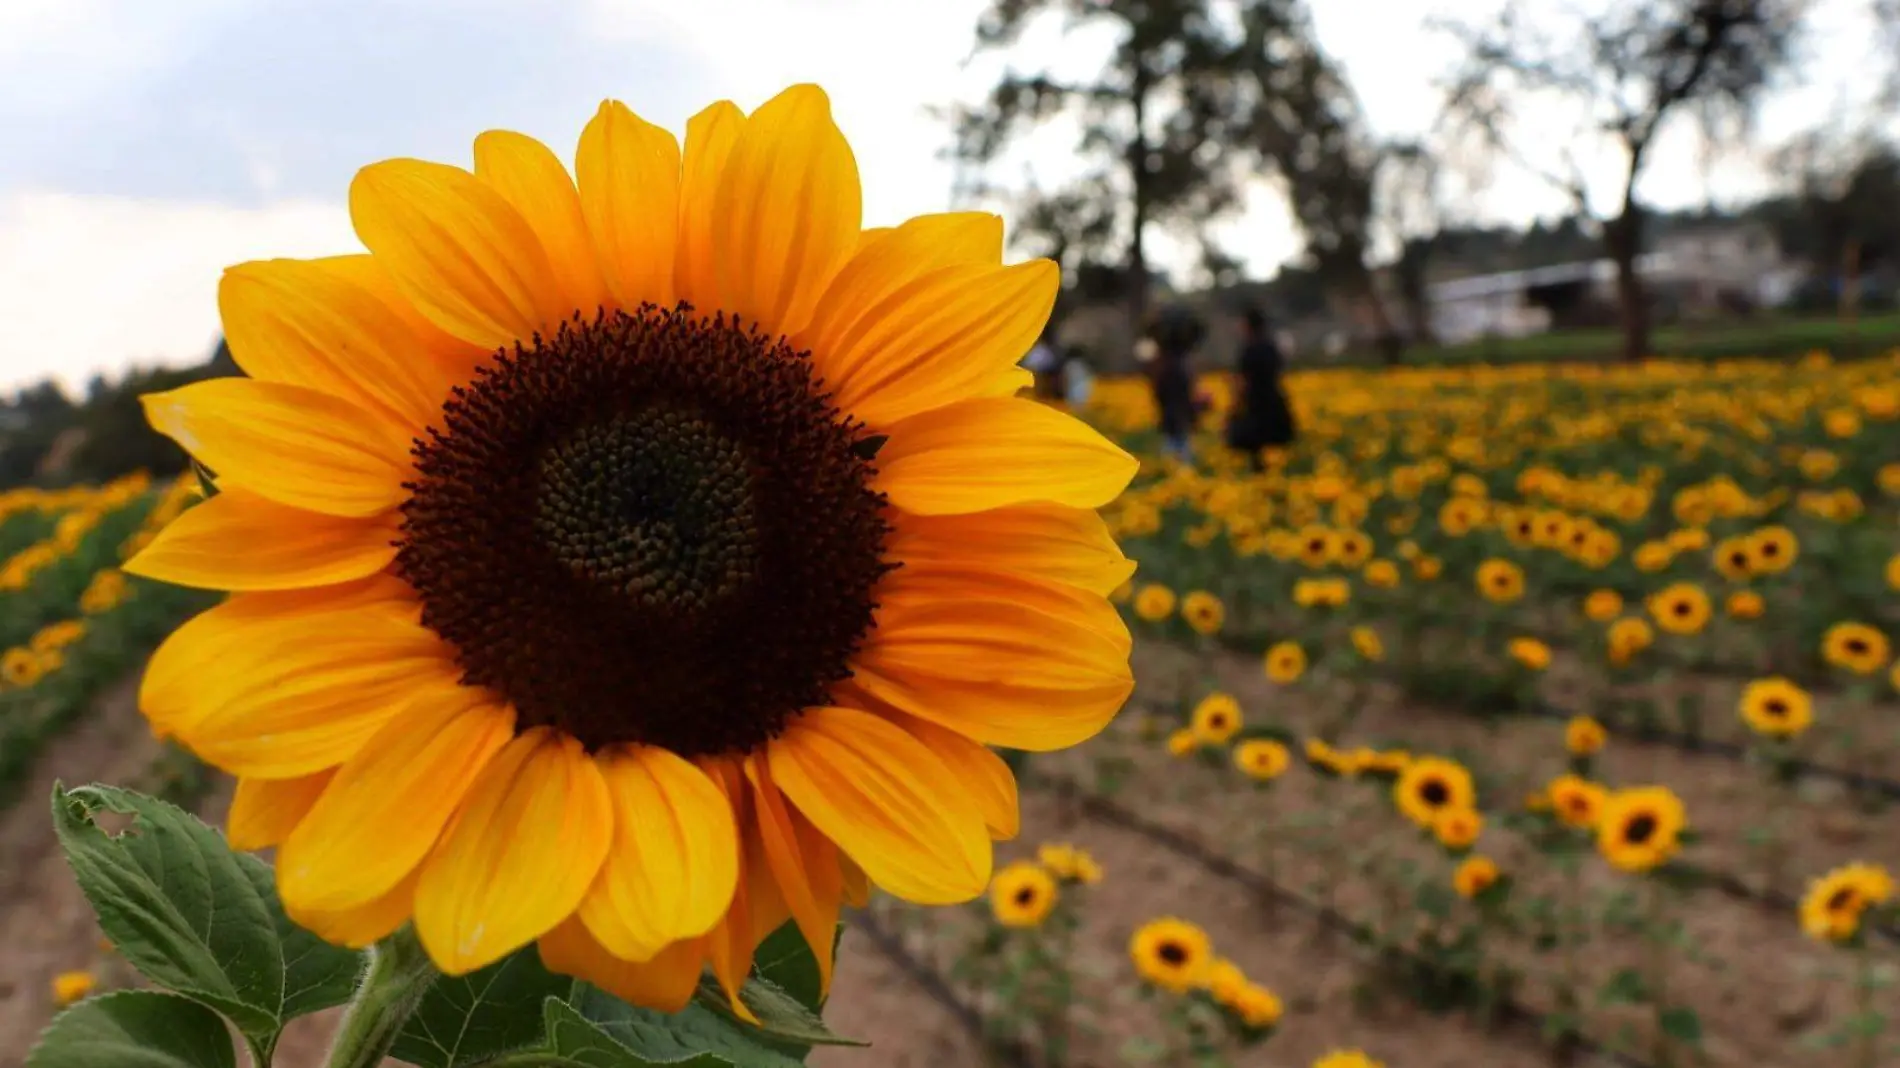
column 50, row 438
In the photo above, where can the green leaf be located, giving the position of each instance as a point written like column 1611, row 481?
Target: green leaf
column 1626, row 987
column 786, row 959
column 135, row 1029
column 195, row 917
column 469, row 1018
column 1681, row 1024
column 581, row 1042
column 667, row 1038
column 781, row 1017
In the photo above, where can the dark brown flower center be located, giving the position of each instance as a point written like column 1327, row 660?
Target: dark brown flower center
column 1775, row 707
column 1435, row 793
column 1026, row 896
column 1639, row 829
column 652, row 527
column 1173, row 954
column 1856, row 646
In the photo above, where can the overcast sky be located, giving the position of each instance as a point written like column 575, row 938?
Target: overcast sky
column 145, row 146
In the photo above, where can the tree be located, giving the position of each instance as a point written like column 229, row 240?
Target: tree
column 1839, row 215
column 1152, row 120
column 1627, row 73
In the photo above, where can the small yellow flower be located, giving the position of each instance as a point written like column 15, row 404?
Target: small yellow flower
column 1154, row 602
column 1857, row 647
column 1457, row 828
column 1640, row 828
column 69, row 987
column 1578, row 802
column 1366, row 641
column 1584, row 736
column 1500, row 581
column 1474, row 876
column 1203, row 612
column 1427, row 568
column 1348, row 1058
column 1216, row 719
column 1257, row 1007
column 1831, row 909
column 1530, row 652
column 1183, row 742
column 1172, row 954
column 1224, row 980
column 1772, row 550
column 1262, row 759
column 1022, row 894
column 1383, row 574
column 1681, row 608
column 1746, row 604
column 1285, row 662
column 1652, row 556
column 1602, row 605
column 1776, row 708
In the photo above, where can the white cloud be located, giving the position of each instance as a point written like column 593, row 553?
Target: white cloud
column 92, row 283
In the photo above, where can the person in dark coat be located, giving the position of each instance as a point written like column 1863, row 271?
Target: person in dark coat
column 1175, row 332
column 1263, row 418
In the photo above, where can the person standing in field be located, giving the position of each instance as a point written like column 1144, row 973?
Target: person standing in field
column 1173, row 336
column 1262, row 419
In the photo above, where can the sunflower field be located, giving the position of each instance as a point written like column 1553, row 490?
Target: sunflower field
column 1513, row 715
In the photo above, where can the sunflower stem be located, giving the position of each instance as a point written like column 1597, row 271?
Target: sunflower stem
column 399, row 974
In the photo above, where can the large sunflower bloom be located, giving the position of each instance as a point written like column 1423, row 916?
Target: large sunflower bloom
column 631, row 562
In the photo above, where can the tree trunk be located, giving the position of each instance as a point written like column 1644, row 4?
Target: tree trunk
column 1137, row 281
column 1624, row 237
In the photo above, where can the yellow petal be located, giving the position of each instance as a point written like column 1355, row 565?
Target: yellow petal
column 990, row 782
column 304, row 691
column 169, row 690
column 1003, row 659
column 733, row 940
column 787, row 212
column 294, row 445
column 803, row 862
column 710, row 136
column 265, row 811
column 238, row 540
column 458, row 250
column 519, row 856
column 1046, row 541
column 889, row 259
column 530, row 177
column 664, row 983
column 388, row 806
column 887, row 801
column 629, row 173
column 674, row 864
column 459, row 355
column 949, row 336
column 366, row 924
column 305, row 323
column 998, row 451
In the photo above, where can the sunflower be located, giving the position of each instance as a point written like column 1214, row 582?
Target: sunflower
column 1500, row 581
column 1354, row 549
column 1262, row 759
column 1431, row 785
column 1602, row 605
column 1772, row 550
column 1366, row 641
column 1652, row 556
column 1285, row 662
column 1348, row 1058
column 1627, row 637
column 1776, row 708
column 1216, row 719
column 1172, row 954
column 1183, row 742
column 1733, row 559
column 1457, row 828
column 1154, row 602
column 1577, row 801
column 1022, row 894
column 1857, row 647
column 1680, row 608
column 1474, row 876
column 1640, row 828
column 1531, row 653
column 1746, row 604
column 1318, row 546
column 1584, row 736
column 1893, row 572
column 1257, row 1007
column 1202, row 611
column 1069, row 864
column 1427, row 568
column 1224, row 980
column 1382, row 574
column 21, row 667
column 1831, row 909
column 630, row 563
